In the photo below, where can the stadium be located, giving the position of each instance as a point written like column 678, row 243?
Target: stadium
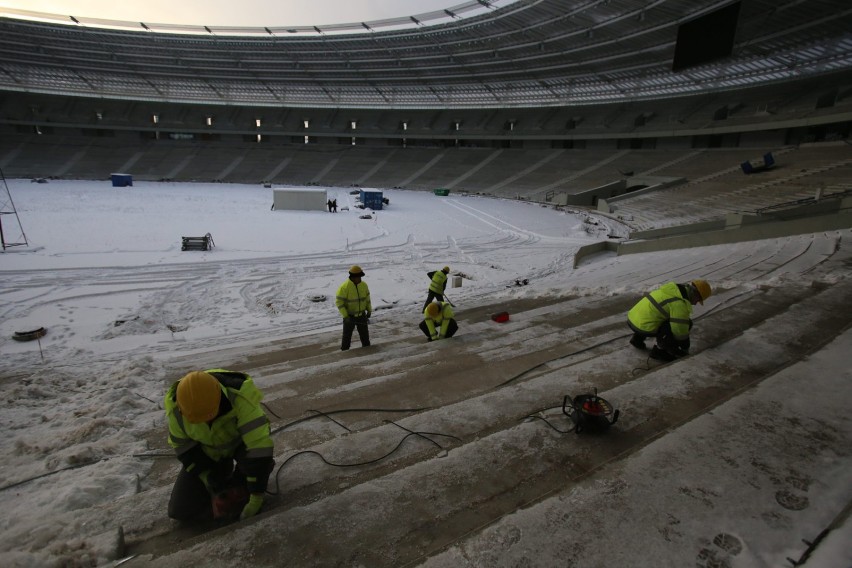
column 692, row 139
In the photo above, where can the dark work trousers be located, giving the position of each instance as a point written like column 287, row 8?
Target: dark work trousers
column 190, row 500
column 349, row 325
column 452, row 328
column 433, row 296
column 665, row 338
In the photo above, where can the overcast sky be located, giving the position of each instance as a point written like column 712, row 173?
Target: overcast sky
column 233, row 13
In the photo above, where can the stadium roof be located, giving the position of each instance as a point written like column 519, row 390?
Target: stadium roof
column 528, row 53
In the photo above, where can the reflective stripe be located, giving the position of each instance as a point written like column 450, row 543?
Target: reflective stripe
column 180, row 450
column 349, row 299
column 259, row 453
column 249, row 426
column 179, row 419
column 227, row 446
column 659, row 305
column 679, row 320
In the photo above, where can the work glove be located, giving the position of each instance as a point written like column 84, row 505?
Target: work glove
column 349, row 319
column 369, row 314
column 253, row 506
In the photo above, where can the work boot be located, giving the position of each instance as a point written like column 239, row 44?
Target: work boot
column 660, row 355
column 638, row 342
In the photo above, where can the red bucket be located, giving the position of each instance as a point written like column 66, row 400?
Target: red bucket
column 500, row 317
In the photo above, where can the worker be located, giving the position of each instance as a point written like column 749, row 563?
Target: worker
column 216, row 421
column 438, row 321
column 353, row 303
column 437, row 285
column 666, row 314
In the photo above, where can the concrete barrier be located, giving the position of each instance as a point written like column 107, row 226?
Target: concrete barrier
column 735, row 228
column 743, row 227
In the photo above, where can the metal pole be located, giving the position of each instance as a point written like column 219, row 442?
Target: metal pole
column 15, row 211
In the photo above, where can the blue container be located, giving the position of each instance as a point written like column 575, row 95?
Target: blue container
column 122, row 180
column 371, row 199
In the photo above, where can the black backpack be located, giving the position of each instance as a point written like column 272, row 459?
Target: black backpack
column 589, row 412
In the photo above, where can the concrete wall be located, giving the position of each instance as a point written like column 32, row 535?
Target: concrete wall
column 678, row 230
column 592, row 249
column 654, row 184
column 674, row 143
column 741, row 228
column 588, row 198
column 830, row 215
column 763, row 139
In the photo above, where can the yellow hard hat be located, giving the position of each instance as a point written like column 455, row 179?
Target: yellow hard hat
column 703, row 289
column 433, row 309
column 198, row 396
column 355, row 270
column 446, row 269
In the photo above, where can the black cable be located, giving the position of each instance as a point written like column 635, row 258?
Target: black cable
column 163, row 454
column 66, row 468
column 269, row 410
column 320, row 413
column 342, row 410
column 145, row 397
column 521, row 374
column 546, row 421
column 424, row 434
column 410, row 433
column 647, row 367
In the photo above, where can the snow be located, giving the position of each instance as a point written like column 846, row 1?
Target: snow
column 105, row 274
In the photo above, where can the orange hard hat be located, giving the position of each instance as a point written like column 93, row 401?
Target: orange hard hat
column 198, row 396
column 703, row 289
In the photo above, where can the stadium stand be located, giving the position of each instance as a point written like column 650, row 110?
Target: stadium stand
column 541, row 100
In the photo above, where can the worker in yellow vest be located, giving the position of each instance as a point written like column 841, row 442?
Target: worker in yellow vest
column 666, row 313
column 437, row 285
column 438, row 321
column 353, row 303
column 221, row 435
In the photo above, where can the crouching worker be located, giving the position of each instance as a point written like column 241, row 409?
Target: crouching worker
column 666, row 313
column 215, row 419
column 438, row 321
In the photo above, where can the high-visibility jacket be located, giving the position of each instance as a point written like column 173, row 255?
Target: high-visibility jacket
column 241, row 431
column 445, row 314
column 353, row 299
column 666, row 303
column 439, row 281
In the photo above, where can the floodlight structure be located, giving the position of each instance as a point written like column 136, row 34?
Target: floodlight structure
column 7, row 207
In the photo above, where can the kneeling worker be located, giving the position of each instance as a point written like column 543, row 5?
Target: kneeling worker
column 438, row 321
column 215, row 419
column 666, row 314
